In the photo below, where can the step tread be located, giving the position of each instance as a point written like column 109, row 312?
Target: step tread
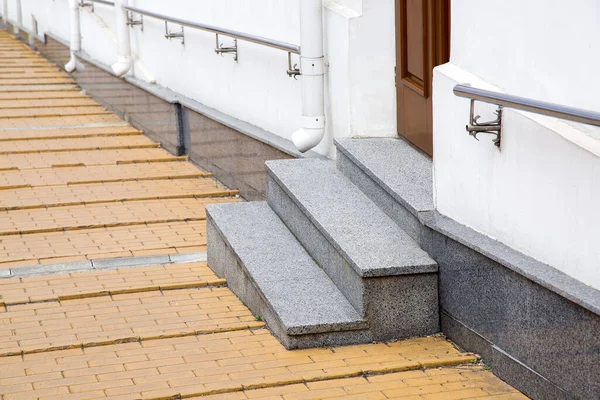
column 403, row 172
column 299, row 292
column 363, row 234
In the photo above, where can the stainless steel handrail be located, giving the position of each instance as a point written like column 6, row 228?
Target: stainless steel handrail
column 106, row 3
column 525, row 104
column 290, row 48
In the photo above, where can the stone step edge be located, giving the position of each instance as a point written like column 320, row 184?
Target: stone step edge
column 351, row 372
column 129, row 339
column 101, row 264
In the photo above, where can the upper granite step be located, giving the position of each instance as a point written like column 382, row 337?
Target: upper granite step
column 403, row 172
column 357, row 228
column 275, row 277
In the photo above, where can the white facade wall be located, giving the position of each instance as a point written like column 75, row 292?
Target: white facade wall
column 359, row 53
column 541, row 193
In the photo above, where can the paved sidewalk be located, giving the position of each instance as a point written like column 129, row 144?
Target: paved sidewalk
column 82, row 190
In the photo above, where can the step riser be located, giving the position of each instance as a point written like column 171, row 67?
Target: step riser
column 394, row 209
column 395, row 306
column 225, row 263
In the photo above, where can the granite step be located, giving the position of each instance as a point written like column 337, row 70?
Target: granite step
column 395, row 176
column 380, row 269
column 277, row 279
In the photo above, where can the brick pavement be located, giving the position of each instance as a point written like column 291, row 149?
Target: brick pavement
column 78, row 183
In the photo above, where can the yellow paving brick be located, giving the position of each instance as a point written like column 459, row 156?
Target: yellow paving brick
column 83, row 157
column 103, row 282
column 121, row 318
column 75, row 144
column 68, row 133
column 73, row 93
column 196, row 361
column 54, row 196
column 39, row 112
column 99, row 173
column 112, row 242
column 53, row 121
column 105, row 214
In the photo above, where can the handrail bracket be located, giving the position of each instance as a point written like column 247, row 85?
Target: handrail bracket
column 293, row 70
column 491, row 127
column 88, row 5
column 220, row 49
column 170, row 35
column 133, row 22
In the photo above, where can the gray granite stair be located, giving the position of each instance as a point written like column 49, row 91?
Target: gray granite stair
column 395, row 176
column 378, row 267
column 277, row 279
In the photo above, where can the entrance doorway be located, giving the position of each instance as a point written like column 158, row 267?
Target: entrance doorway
column 422, row 42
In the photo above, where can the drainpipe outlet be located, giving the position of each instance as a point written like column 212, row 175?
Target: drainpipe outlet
column 74, row 64
column 121, row 67
column 310, row 135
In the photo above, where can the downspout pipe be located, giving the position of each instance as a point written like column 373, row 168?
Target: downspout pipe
column 313, row 71
column 75, row 43
column 19, row 20
column 4, row 13
column 124, row 61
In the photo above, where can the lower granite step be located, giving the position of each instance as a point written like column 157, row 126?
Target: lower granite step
column 277, row 279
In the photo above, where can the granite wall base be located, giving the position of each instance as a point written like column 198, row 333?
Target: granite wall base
column 533, row 338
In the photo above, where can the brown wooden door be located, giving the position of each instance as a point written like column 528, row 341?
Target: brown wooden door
column 422, row 42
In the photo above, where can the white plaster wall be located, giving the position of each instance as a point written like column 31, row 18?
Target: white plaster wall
column 541, row 193
column 359, row 51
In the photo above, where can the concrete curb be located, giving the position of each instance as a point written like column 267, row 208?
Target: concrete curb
column 102, row 264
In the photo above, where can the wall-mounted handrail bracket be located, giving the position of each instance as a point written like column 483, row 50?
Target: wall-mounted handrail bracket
column 292, row 70
column 86, row 4
column 492, row 127
column 170, row 35
column 132, row 22
column 220, row 49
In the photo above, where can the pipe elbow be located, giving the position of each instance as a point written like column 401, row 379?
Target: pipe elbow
column 305, row 139
column 122, row 66
column 74, row 64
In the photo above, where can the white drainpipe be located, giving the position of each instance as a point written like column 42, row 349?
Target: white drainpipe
column 5, row 12
column 124, row 62
column 17, row 26
column 74, row 64
column 312, row 69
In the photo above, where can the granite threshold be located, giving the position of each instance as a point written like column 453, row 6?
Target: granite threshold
column 101, row 264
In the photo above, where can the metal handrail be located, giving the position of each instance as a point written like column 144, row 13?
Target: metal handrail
column 290, row 48
column 106, row 3
column 525, row 104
